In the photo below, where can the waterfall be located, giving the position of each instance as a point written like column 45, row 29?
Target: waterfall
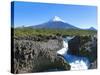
column 64, row 49
column 76, row 62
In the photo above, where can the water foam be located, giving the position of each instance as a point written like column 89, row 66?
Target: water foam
column 76, row 62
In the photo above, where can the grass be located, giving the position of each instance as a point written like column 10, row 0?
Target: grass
column 47, row 32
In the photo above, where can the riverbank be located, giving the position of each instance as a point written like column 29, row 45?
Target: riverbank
column 30, row 55
column 37, row 52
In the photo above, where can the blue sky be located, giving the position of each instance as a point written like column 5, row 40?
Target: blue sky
column 29, row 13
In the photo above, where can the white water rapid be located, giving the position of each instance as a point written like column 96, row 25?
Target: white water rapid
column 76, row 62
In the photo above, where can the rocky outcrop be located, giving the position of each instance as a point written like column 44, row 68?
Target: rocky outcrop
column 61, row 63
column 89, row 49
column 93, row 65
column 85, row 46
column 74, row 45
column 38, row 56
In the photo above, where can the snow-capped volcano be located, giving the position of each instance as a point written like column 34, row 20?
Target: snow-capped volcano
column 55, row 23
column 56, row 18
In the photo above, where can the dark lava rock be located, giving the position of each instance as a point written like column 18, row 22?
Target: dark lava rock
column 85, row 46
column 93, row 65
column 37, row 56
column 80, row 45
column 74, row 45
column 62, row 64
column 89, row 49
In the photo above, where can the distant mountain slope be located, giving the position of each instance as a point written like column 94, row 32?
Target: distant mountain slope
column 55, row 23
column 91, row 28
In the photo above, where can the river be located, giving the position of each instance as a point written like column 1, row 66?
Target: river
column 76, row 62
